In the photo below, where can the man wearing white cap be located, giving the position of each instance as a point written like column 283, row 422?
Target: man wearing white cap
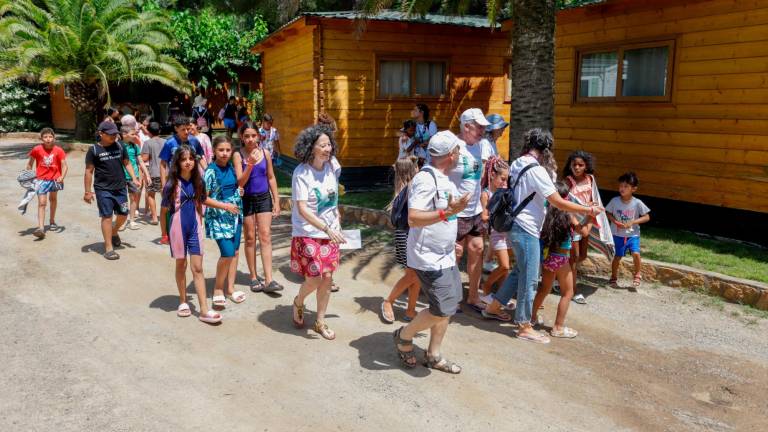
column 432, row 211
column 466, row 176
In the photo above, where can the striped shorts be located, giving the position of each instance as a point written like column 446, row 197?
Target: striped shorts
column 401, row 245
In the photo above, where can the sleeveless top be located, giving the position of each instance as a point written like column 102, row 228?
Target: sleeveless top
column 581, row 191
column 257, row 181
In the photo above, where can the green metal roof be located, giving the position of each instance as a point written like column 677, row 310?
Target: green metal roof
column 476, row 21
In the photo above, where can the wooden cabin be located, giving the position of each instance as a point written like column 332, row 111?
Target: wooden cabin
column 675, row 90
column 370, row 80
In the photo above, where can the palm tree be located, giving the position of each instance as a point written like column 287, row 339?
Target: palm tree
column 86, row 45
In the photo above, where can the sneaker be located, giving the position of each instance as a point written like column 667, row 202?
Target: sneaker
column 490, row 266
column 272, row 287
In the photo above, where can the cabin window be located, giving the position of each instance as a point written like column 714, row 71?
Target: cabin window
column 637, row 72
column 412, row 78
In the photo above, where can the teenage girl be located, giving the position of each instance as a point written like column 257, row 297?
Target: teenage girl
column 495, row 176
column 221, row 225
column 578, row 173
column 556, row 241
column 260, row 205
column 183, row 198
column 405, row 169
column 425, row 129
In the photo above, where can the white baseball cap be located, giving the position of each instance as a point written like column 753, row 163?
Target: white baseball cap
column 476, row 115
column 442, row 143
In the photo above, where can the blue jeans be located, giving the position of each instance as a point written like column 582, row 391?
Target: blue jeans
column 524, row 275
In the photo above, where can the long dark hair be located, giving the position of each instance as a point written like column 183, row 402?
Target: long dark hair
column 542, row 141
column 557, row 223
column 169, row 192
column 589, row 161
column 424, row 110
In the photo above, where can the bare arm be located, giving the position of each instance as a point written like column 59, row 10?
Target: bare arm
column 484, row 200
column 163, row 172
column 565, row 205
column 316, row 222
column 422, row 218
column 232, row 208
column 87, row 183
column 273, row 188
column 641, row 220
column 64, row 170
column 30, row 163
column 243, row 174
column 129, row 168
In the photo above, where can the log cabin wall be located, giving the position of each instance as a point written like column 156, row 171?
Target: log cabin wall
column 707, row 142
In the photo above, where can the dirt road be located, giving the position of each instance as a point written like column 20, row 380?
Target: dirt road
column 94, row 345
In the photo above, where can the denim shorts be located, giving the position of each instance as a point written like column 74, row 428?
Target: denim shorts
column 112, row 202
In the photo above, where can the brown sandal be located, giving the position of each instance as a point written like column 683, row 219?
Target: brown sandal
column 323, row 330
column 298, row 311
column 405, row 356
column 442, row 364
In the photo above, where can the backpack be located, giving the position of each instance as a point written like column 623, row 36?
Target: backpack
column 200, row 119
column 502, row 207
column 398, row 216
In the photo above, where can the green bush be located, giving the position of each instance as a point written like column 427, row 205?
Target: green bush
column 21, row 107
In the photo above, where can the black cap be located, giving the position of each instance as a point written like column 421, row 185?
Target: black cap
column 108, row 128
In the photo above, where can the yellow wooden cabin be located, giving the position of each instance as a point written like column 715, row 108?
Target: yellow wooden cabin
column 370, row 80
column 675, row 90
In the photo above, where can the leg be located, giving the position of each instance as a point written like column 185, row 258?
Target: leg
column 474, row 267
column 42, row 203
column 106, row 232
column 615, row 267
column 181, row 279
column 413, row 293
column 323, row 296
column 637, row 261
column 547, row 278
column 232, row 273
column 436, row 335
column 566, row 292
column 264, row 227
column 196, row 262
column 152, row 205
column 54, row 200
column 119, row 221
column 249, row 226
column 502, row 258
column 222, row 272
column 460, row 248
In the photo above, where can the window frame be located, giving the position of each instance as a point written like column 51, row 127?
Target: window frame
column 669, row 42
column 379, row 57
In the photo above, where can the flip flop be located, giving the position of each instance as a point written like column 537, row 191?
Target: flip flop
column 535, row 338
column 566, row 332
column 219, row 301
column 183, row 311
column 211, row 317
column 579, row 299
column 39, row 233
column 384, row 316
column 237, row 297
column 111, row 255
column 479, row 308
column 501, row 316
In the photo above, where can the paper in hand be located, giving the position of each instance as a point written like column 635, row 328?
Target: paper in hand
column 353, row 238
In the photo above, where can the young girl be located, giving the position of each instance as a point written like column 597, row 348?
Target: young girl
column 405, row 170
column 578, row 174
column 406, row 143
column 221, row 225
column 183, row 197
column 260, row 205
column 495, row 176
column 131, row 144
column 425, row 128
column 556, row 241
column 270, row 138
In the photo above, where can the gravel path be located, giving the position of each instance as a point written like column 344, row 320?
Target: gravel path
column 95, row 345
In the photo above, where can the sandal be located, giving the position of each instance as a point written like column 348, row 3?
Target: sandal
column 111, row 255
column 219, row 301
column 39, row 233
column 533, row 337
column 501, row 316
column 334, row 287
column 324, row 331
column 477, row 307
column 298, row 311
column 565, row 332
column 389, row 319
column 272, row 287
column 405, row 356
column 637, row 280
column 579, row 299
column 441, row 364
column 237, row 297
column 183, row 311
column 257, row 285
column 210, row 317
column 613, row 282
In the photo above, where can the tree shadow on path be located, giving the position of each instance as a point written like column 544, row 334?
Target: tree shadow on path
column 377, row 352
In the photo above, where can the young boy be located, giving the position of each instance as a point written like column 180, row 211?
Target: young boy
column 270, row 139
column 626, row 213
column 150, row 154
column 51, row 168
column 105, row 166
column 130, row 140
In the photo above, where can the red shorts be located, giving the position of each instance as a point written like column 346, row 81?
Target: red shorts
column 313, row 257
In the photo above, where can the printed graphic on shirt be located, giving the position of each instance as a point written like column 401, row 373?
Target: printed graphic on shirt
column 470, row 168
column 325, row 201
column 48, row 160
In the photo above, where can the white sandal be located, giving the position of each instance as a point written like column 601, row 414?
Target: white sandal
column 219, row 301
column 211, row 317
column 183, row 311
column 237, row 297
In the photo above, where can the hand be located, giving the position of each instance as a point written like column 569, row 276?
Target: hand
column 276, row 208
column 88, row 197
column 137, row 182
column 254, row 157
column 595, row 210
column 456, row 206
column 336, row 236
column 485, row 217
column 60, row 179
column 232, row 208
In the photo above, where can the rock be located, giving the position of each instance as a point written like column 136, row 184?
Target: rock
column 749, row 294
column 762, row 302
column 670, row 277
column 732, row 292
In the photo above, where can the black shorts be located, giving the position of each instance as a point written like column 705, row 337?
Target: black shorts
column 470, row 226
column 112, row 202
column 255, row 204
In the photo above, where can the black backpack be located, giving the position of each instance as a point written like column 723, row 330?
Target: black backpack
column 398, row 216
column 502, row 207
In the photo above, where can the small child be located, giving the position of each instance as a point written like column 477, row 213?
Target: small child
column 130, row 143
column 406, row 143
column 270, row 139
column 183, row 198
column 556, row 244
column 150, row 155
column 50, row 169
column 578, row 173
column 224, row 225
column 405, row 169
column 626, row 213
column 495, row 176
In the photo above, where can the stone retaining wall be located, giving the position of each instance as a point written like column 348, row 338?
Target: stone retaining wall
column 732, row 289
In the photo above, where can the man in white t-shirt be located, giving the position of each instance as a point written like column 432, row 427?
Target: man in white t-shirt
column 466, row 176
column 432, row 210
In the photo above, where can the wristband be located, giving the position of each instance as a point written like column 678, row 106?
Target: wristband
column 441, row 213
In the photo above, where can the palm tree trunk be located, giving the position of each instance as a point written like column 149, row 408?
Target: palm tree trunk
column 84, row 98
column 533, row 69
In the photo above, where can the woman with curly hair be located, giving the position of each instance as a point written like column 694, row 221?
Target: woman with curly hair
column 316, row 227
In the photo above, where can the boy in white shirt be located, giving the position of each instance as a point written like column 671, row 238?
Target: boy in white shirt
column 626, row 213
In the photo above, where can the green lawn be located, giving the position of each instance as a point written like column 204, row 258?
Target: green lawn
column 722, row 256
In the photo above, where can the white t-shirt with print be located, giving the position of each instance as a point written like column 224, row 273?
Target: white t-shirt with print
column 466, row 176
column 320, row 189
column 626, row 212
column 268, row 138
column 489, row 149
column 536, row 179
column 432, row 247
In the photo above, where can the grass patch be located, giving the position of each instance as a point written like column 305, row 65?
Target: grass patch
column 377, row 199
column 722, row 256
column 370, row 234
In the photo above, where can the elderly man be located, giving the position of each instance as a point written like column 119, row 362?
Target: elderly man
column 466, row 176
column 432, row 210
